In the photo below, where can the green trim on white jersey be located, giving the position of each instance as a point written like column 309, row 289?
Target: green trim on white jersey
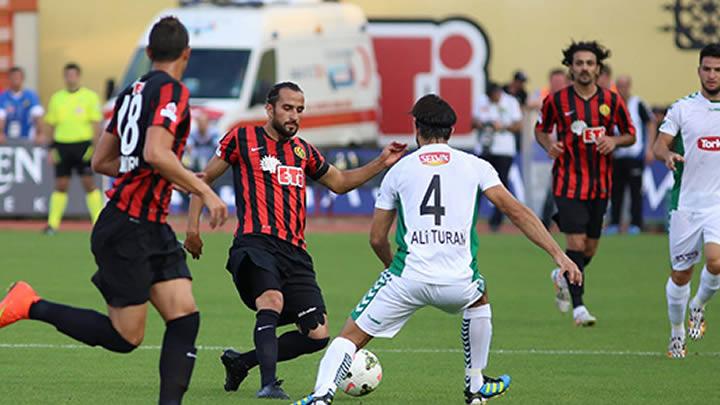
column 398, row 264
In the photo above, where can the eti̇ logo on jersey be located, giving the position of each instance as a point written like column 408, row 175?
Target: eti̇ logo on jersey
column 593, row 134
column 709, row 143
column 416, row 57
column 291, row 176
column 170, row 111
column 435, row 158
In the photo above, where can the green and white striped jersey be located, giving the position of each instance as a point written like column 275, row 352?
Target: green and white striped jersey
column 436, row 192
column 694, row 121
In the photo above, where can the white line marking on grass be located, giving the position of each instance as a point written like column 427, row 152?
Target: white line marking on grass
column 546, row 352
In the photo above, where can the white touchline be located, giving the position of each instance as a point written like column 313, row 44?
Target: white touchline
column 547, row 352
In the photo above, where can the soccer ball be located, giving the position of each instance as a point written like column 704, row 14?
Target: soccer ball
column 364, row 376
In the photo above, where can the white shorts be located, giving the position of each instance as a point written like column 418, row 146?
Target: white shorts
column 688, row 231
column 392, row 300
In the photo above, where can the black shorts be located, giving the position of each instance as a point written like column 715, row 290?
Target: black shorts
column 259, row 263
column 580, row 216
column 132, row 255
column 71, row 157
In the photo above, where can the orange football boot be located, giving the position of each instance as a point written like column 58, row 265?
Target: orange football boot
column 16, row 304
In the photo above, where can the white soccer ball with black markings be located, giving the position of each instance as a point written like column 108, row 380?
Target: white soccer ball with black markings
column 364, row 376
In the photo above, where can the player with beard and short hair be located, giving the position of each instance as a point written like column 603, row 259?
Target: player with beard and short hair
column 688, row 143
column 268, row 261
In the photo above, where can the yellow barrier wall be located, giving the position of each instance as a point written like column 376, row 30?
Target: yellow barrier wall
column 527, row 34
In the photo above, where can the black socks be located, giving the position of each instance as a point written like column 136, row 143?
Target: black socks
column 266, row 344
column 577, row 291
column 177, row 358
column 84, row 325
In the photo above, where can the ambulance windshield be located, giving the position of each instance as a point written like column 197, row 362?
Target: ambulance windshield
column 211, row 73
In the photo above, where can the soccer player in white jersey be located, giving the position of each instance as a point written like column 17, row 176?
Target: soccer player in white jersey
column 689, row 144
column 434, row 192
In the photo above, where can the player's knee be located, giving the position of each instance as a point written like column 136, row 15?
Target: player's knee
column 271, row 299
column 681, row 278
column 132, row 341
column 62, row 186
column 313, row 324
column 713, row 265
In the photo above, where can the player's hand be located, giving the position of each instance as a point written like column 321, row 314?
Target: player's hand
column 556, row 149
column 193, row 244
column 392, row 153
column 605, row 145
column 569, row 267
column 218, row 211
column 671, row 159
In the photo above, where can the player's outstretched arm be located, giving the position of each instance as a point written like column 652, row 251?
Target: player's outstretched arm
column 159, row 154
column 106, row 158
column 342, row 181
column 663, row 153
column 193, row 243
column 381, row 223
column 530, row 225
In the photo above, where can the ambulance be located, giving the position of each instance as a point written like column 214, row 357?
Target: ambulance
column 241, row 48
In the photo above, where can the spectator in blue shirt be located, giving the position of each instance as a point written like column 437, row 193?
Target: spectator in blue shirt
column 22, row 109
column 202, row 142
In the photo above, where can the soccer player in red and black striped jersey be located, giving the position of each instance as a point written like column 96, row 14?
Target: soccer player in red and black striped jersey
column 271, row 269
column 138, row 257
column 590, row 122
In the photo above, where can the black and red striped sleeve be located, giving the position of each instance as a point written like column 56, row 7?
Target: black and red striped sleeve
column 317, row 166
column 622, row 118
column 548, row 115
column 171, row 106
column 227, row 149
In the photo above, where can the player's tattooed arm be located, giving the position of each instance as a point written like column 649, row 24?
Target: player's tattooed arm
column 381, row 223
column 106, row 158
column 342, row 181
column 663, row 153
column 532, row 227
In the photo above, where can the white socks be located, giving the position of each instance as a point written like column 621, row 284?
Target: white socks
column 334, row 365
column 579, row 310
column 709, row 284
column 476, row 336
column 677, row 298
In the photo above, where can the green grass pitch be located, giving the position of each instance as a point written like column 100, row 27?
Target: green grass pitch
column 621, row 360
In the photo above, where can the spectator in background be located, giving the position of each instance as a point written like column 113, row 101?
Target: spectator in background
column 200, row 148
column 557, row 80
column 605, row 78
column 22, row 110
column 516, row 87
column 497, row 116
column 3, row 138
column 202, row 142
column 629, row 163
column 73, row 118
